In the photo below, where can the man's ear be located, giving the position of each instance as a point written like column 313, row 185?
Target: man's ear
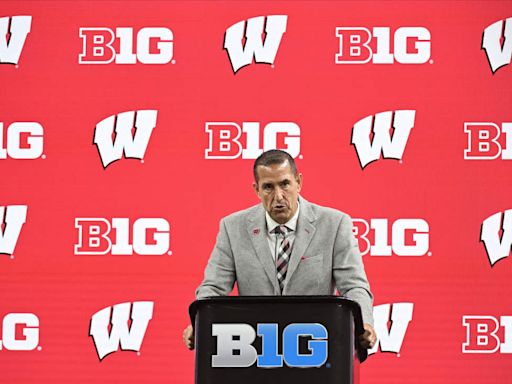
column 298, row 178
column 256, row 189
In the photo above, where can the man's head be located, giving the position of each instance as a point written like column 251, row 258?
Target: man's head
column 277, row 183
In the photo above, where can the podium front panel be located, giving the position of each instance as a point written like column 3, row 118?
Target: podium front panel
column 275, row 340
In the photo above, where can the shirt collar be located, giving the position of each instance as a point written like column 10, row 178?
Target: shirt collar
column 291, row 224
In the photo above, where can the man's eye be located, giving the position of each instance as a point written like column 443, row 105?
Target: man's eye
column 267, row 187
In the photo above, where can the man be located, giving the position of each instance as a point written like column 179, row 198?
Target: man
column 286, row 246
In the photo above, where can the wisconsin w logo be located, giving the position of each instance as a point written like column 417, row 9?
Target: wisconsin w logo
column 130, row 339
column 392, row 338
column 498, row 54
column 391, row 146
column 263, row 52
column 132, row 145
column 12, row 219
column 496, row 234
column 17, row 31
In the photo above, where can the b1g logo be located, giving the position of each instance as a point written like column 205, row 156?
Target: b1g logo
column 13, row 339
column 24, row 140
column 392, row 146
column 16, row 28
column 104, row 46
column 496, row 234
column 483, row 334
column 225, row 139
column 146, row 236
column 273, row 27
column 12, row 218
column 359, row 45
column 240, row 337
column 409, row 237
column 398, row 316
column 133, row 145
column 110, row 331
column 487, row 142
column 497, row 43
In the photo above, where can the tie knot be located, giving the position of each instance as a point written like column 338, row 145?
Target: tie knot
column 281, row 230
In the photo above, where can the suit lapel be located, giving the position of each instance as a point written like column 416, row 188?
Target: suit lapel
column 257, row 230
column 304, row 233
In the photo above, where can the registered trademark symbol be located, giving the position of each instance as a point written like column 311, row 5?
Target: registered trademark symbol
column 39, row 348
column 173, row 61
column 16, row 66
column 301, row 157
column 169, row 253
column 142, row 161
column 43, row 156
column 272, row 66
column 138, row 353
column 328, row 365
column 397, row 355
column 12, row 257
column 431, row 61
column 429, row 253
column 401, row 162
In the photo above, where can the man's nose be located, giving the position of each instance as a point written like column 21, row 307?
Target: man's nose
column 278, row 194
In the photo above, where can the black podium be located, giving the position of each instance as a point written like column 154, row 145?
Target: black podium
column 277, row 339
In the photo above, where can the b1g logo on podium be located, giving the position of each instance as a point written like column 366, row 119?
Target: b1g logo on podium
column 146, row 236
column 487, row 334
column 496, row 234
column 23, row 141
column 104, row 46
column 17, row 28
column 13, row 339
column 486, row 141
column 243, row 40
column 228, row 140
column 409, row 237
column 497, row 43
column 359, row 45
column 240, row 337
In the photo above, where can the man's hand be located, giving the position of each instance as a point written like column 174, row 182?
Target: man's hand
column 369, row 337
column 188, row 337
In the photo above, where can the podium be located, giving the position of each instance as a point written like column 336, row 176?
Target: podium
column 277, row 339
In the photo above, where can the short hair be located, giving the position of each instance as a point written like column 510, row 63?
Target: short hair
column 273, row 156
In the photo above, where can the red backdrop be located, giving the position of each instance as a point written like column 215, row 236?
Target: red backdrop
column 451, row 283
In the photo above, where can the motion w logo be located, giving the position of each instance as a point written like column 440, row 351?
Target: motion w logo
column 391, row 146
column 262, row 52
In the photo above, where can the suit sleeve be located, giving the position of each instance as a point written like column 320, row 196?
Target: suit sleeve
column 219, row 275
column 348, row 270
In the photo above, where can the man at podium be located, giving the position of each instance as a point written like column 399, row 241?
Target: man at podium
column 286, row 246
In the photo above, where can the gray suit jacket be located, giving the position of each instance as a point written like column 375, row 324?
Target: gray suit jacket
column 325, row 255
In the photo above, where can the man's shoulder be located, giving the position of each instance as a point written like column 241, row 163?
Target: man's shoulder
column 321, row 212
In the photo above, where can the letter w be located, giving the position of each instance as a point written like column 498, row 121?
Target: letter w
column 391, row 146
column 133, row 145
column 20, row 27
column 498, row 54
column 492, row 227
column 263, row 52
column 120, row 335
column 10, row 228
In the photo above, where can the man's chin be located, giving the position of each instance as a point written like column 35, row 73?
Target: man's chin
column 280, row 217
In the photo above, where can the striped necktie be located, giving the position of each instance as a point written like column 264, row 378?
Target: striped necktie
column 283, row 254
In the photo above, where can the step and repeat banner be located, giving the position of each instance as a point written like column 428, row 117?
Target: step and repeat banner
column 128, row 129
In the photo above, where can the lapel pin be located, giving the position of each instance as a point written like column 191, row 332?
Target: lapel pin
column 256, row 231
column 302, row 258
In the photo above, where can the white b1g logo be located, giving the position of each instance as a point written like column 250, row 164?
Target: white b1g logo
column 30, row 332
